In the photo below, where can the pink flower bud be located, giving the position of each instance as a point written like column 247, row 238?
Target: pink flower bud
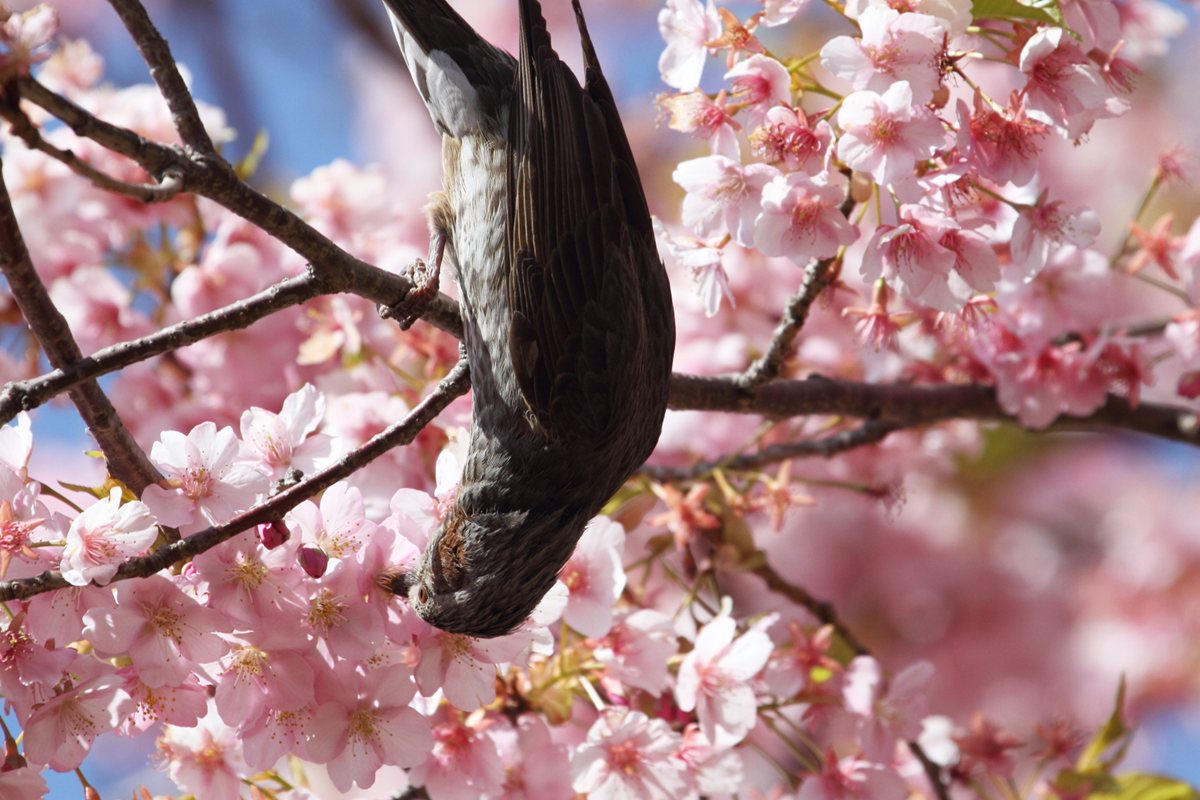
column 314, row 561
column 273, row 534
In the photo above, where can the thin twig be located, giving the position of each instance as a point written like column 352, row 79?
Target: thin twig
column 126, row 461
column 822, row 610
column 932, row 771
column 817, row 278
column 28, row 394
column 455, row 384
column 165, row 72
column 170, row 186
column 870, row 432
column 768, row 366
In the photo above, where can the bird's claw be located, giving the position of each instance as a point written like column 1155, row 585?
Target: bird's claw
column 409, row 308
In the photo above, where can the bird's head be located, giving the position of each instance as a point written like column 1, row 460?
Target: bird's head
column 483, row 573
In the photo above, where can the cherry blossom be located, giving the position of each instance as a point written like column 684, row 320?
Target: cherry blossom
column 203, row 760
column 759, row 83
column 788, row 138
column 1004, row 143
column 166, row 633
column 894, row 47
column 1064, row 86
column 714, row 678
column 207, row 483
column 696, row 113
column 60, row 732
column 636, row 650
column 464, row 761
column 628, row 755
column 722, row 195
column 364, row 722
column 885, row 135
column 851, row 777
column 1045, row 225
column 687, row 26
column 801, row 219
column 594, row 577
column 104, row 535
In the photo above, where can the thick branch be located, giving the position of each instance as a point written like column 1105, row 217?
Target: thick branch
column 157, row 54
column 126, row 461
column 910, row 405
column 455, row 384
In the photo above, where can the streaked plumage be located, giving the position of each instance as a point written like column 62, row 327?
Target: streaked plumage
column 568, row 321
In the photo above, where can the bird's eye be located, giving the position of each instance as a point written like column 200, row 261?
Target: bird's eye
column 422, row 594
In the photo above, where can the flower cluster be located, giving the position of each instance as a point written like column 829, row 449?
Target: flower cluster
column 678, row 657
column 904, row 159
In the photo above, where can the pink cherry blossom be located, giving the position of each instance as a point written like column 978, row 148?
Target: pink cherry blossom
column 1044, row 226
column 801, row 219
column 98, row 308
column 207, row 483
column 637, row 648
column 22, row 783
column 781, row 12
column 687, row 26
column 462, row 667
column 714, row 678
column 464, row 762
column 61, row 731
column 23, row 38
column 29, row 669
column 701, row 116
column 166, row 633
column 364, row 722
column 102, row 536
column 894, row 47
column 955, row 15
column 182, row 705
column 722, row 195
column 16, row 445
column 251, row 584
column 535, row 766
column 627, row 755
column 595, row 578
column 931, row 258
column 1002, row 143
column 711, row 771
column 336, row 613
column 788, row 138
column 851, row 777
column 203, row 760
column 338, row 526
column 889, row 710
column 288, row 440
column 760, row 82
column 885, row 135
column 1064, row 86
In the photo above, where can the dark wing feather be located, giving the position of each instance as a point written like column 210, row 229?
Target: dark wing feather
column 570, row 253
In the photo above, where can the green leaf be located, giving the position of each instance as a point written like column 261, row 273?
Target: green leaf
column 100, row 492
column 1044, row 11
column 1115, row 734
column 1143, row 786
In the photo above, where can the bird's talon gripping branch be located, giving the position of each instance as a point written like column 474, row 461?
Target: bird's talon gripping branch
column 425, row 276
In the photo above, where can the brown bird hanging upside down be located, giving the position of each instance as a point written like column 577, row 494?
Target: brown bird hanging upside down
column 569, row 329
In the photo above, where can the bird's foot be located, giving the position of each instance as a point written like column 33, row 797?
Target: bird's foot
column 425, row 277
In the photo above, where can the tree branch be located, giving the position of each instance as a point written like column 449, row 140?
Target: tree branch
column 126, row 461
column 23, row 127
column 216, row 180
column 165, row 72
column 870, row 432
column 455, row 384
column 910, row 405
column 28, row 394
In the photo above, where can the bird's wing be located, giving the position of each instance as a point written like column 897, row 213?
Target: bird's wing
column 463, row 79
column 572, row 263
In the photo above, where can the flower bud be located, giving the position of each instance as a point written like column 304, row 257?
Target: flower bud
column 273, row 534
column 314, row 561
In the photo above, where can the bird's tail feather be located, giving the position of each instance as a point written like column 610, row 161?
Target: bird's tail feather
column 461, row 77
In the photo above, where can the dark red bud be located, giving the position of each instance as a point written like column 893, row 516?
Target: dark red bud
column 314, row 561
column 273, row 534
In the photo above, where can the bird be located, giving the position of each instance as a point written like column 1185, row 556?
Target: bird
column 568, row 325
